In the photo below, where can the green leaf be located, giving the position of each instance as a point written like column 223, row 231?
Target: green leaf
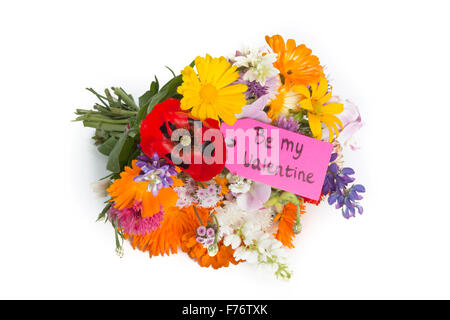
column 113, row 164
column 127, row 150
column 144, row 100
column 173, row 73
column 169, row 90
column 102, row 215
column 107, row 146
column 119, row 156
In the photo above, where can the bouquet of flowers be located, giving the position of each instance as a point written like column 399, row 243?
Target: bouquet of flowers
column 168, row 191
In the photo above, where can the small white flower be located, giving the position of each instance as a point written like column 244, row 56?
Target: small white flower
column 234, row 178
column 99, row 187
column 245, row 254
column 232, row 239
column 209, row 202
column 240, row 187
column 259, row 64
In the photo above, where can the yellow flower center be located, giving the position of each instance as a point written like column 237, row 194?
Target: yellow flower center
column 208, row 93
column 317, row 107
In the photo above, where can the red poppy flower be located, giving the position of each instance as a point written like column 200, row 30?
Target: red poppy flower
column 156, row 136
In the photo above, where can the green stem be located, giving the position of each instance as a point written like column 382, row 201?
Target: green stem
column 125, row 97
column 198, row 217
column 217, row 224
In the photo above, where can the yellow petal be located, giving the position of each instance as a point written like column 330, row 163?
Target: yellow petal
column 330, row 132
column 314, row 124
column 332, row 119
column 232, row 90
column 321, row 89
column 313, row 89
column 333, row 108
column 325, row 98
column 306, row 104
column 303, row 90
column 227, row 117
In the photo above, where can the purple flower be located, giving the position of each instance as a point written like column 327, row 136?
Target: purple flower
column 202, row 193
column 255, row 89
column 287, row 123
column 212, row 190
column 210, row 232
column 336, row 186
column 156, row 172
column 201, row 231
column 200, row 240
column 255, row 110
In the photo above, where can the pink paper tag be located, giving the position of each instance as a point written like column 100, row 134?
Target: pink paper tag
column 277, row 157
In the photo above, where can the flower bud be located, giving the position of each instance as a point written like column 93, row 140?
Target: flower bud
column 212, row 250
column 297, row 228
column 119, row 251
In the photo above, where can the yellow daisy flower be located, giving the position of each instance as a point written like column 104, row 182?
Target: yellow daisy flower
column 315, row 102
column 209, row 93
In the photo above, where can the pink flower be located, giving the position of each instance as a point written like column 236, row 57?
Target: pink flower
column 351, row 120
column 255, row 110
column 131, row 221
column 255, row 198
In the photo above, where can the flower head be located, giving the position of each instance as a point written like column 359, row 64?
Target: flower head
column 285, row 101
column 314, row 101
column 157, row 130
column 209, row 93
column 257, row 64
column 215, row 255
column 167, row 238
column 296, row 63
column 99, row 187
column 351, row 121
column 255, row 110
column 204, row 197
column 336, row 185
column 287, row 123
column 255, row 197
column 131, row 221
column 156, row 172
column 287, row 220
column 125, row 191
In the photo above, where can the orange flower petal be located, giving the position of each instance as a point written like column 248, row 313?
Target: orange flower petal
column 285, row 233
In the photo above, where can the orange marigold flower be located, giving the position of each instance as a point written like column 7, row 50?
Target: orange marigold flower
column 285, row 233
column 167, row 238
column 295, row 62
column 222, row 182
column 125, row 191
column 285, row 101
column 200, row 254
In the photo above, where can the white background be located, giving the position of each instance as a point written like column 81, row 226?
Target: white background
column 390, row 57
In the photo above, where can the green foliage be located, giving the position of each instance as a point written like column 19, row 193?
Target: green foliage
column 154, row 97
column 116, row 118
column 102, row 216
